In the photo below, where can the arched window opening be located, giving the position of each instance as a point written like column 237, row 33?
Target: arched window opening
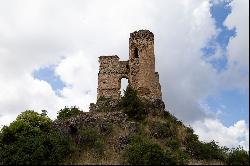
column 136, row 53
column 124, row 84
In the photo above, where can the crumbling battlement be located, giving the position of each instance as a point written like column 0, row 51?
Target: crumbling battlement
column 139, row 69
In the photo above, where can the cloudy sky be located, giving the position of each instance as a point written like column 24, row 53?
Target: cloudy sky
column 49, row 57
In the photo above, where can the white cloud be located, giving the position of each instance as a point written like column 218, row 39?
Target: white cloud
column 24, row 92
column 236, row 75
column 232, row 136
column 72, row 34
column 238, row 47
column 78, row 72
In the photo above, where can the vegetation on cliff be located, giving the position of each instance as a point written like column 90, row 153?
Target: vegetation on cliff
column 131, row 131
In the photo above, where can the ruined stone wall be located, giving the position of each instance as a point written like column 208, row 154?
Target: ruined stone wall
column 111, row 71
column 157, row 87
column 139, row 69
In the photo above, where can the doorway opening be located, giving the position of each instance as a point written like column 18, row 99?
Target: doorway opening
column 124, row 84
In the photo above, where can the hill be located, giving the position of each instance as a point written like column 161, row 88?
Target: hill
column 126, row 131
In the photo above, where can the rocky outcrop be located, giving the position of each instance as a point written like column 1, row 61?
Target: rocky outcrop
column 101, row 122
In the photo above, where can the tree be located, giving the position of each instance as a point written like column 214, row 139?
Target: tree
column 68, row 112
column 132, row 105
column 44, row 113
column 238, row 156
column 30, row 139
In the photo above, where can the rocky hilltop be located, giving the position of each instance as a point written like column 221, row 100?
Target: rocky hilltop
column 111, row 133
column 130, row 130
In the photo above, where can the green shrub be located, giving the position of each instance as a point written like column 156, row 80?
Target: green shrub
column 140, row 150
column 28, row 123
column 146, row 154
column 106, row 128
column 88, row 137
column 162, row 129
column 135, row 138
column 238, row 156
column 211, row 150
column 178, row 157
column 59, row 146
column 173, row 143
column 132, row 105
column 143, row 152
column 98, row 147
column 171, row 118
column 32, row 120
column 31, row 140
column 202, row 150
column 68, row 113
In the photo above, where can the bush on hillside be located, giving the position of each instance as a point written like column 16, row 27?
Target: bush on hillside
column 176, row 157
column 98, row 147
column 132, row 105
column 88, row 136
column 171, row 118
column 146, row 154
column 68, row 113
column 31, row 140
column 238, row 156
column 141, row 150
column 162, row 129
column 203, row 150
column 173, row 143
column 106, row 128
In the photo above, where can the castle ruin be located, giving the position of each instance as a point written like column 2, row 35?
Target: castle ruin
column 139, row 69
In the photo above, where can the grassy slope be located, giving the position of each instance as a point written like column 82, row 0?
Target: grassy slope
column 112, row 156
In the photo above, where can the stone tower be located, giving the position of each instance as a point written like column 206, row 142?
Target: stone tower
column 139, row 69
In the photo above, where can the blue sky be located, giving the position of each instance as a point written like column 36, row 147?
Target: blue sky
column 48, row 74
column 219, row 12
column 234, row 104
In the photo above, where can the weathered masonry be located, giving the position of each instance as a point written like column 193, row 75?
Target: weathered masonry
column 139, row 69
